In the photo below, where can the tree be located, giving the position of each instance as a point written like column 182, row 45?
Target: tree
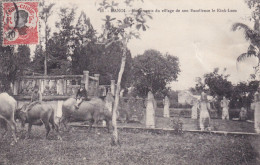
column 13, row 64
column 214, row 83
column 243, row 94
column 251, row 34
column 44, row 14
column 121, row 32
column 60, row 45
column 152, row 72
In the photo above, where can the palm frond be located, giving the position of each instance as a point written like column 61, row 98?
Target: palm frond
column 246, row 55
column 247, row 30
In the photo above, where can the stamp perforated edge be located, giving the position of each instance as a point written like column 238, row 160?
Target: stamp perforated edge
column 2, row 24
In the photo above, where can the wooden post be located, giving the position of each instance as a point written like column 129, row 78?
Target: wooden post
column 86, row 78
column 97, row 84
column 112, row 86
column 150, row 114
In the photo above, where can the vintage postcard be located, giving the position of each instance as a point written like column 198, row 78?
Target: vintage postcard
column 130, row 82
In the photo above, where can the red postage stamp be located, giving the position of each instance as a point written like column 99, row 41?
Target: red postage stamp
column 20, row 23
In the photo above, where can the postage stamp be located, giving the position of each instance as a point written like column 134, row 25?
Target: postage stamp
column 20, row 23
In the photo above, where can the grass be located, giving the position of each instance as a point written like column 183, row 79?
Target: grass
column 81, row 147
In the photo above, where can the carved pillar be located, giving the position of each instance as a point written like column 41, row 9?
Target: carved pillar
column 166, row 112
column 86, row 78
column 112, row 87
column 97, row 84
column 150, row 111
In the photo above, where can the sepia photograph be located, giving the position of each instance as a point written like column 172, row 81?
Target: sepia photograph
column 123, row 82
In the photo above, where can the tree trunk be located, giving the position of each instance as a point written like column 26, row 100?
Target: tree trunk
column 46, row 42
column 115, row 138
column 45, row 63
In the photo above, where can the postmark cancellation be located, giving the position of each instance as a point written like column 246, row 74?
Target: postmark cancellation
column 20, row 23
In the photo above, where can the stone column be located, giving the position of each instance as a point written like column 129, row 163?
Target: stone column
column 60, row 87
column 109, row 100
column 113, row 84
column 58, row 112
column 86, row 78
column 41, row 85
column 256, row 107
column 150, row 116
column 16, row 87
column 166, row 112
column 97, row 84
column 194, row 111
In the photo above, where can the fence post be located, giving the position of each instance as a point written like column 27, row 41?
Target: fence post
column 112, row 86
column 86, row 78
column 97, row 84
column 150, row 116
column 166, row 112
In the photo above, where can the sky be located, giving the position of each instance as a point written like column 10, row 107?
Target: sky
column 201, row 40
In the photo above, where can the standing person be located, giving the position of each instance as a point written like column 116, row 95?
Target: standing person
column 225, row 105
column 204, row 107
column 36, row 95
column 82, row 94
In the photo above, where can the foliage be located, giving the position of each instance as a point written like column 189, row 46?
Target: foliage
column 215, row 84
column 45, row 13
column 138, row 147
column 251, row 34
column 105, row 61
column 177, row 125
column 152, row 72
column 13, row 64
column 243, row 94
column 121, row 32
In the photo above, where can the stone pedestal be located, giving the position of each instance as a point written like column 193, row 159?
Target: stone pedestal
column 109, row 100
column 166, row 112
column 113, row 87
column 150, row 111
column 194, row 110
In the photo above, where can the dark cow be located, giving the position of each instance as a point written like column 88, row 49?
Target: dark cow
column 8, row 107
column 39, row 113
column 92, row 111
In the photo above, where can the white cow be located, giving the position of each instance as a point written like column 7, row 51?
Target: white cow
column 8, row 107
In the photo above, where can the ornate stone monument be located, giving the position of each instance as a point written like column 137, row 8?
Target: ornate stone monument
column 166, row 102
column 150, row 120
column 256, row 107
column 225, row 105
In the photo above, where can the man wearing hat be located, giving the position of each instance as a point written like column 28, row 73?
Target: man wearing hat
column 82, row 94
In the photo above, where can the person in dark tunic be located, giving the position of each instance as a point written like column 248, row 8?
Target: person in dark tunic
column 81, row 95
column 36, row 95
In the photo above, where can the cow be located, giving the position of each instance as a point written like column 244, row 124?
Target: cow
column 93, row 111
column 8, row 106
column 38, row 113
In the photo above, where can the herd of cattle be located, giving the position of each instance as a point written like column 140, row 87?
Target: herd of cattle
column 44, row 113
